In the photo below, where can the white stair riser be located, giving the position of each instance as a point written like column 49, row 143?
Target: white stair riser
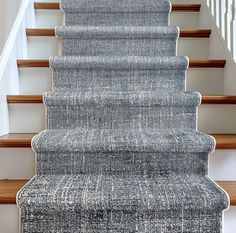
column 30, row 118
column 21, row 162
column 194, row 48
column 44, row 47
column 206, row 81
column 222, row 164
column 229, row 223
column 48, row 18
column 184, row 19
column 26, row 118
column 217, row 118
column 9, row 219
column 51, row 18
column 35, row 81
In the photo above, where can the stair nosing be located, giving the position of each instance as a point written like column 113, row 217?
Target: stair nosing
column 8, row 192
column 175, row 7
column 184, row 33
column 219, row 99
column 225, row 143
column 24, row 63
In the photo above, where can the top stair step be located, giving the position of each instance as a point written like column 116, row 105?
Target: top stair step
column 175, row 7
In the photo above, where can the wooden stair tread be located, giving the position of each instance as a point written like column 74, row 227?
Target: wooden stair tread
column 21, row 99
column 191, row 33
column 219, row 100
column 230, row 188
column 186, row 7
column 175, row 7
column 14, row 140
column 25, row 99
column 47, row 5
column 32, row 63
column 9, row 189
column 207, row 63
column 24, row 63
column 225, row 141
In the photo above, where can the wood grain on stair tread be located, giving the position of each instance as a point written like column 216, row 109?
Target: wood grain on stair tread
column 223, row 141
column 175, row 7
column 24, row 63
column 207, row 63
column 230, row 188
column 16, row 140
column 190, row 33
column 24, row 99
column 32, row 63
column 186, row 7
column 40, row 32
column 219, row 100
column 9, row 189
column 21, row 99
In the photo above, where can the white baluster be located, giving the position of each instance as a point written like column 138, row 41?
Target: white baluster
column 216, row 11
column 221, row 17
column 211, row 5
column 227, row 22
column 233, row 29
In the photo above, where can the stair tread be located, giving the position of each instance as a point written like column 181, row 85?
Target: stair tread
column 39, row 99
column 16, row 140
column 223, row 141
column 175, row 7
column 230, row 188
column 9, row 189
column 25, row 99
column 24, row 63
column 222, row 99
column 191, row 33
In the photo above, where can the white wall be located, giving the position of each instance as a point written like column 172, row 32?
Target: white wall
column 8, row 13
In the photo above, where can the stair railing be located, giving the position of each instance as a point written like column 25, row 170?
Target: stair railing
column 224, row 12
column 15, row 47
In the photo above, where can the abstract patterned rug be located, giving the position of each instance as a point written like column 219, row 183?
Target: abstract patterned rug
column 121, row 153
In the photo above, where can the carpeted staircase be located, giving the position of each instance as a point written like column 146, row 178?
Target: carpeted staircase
column 121, row 153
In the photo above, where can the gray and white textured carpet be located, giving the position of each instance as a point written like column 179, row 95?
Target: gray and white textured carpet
column 121, row 153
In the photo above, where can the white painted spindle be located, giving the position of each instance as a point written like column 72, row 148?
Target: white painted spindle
column 217, row 12
column 233, row 29
column 228, row 17
column 221, row 16
column 211, row 5
column 208, row 2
